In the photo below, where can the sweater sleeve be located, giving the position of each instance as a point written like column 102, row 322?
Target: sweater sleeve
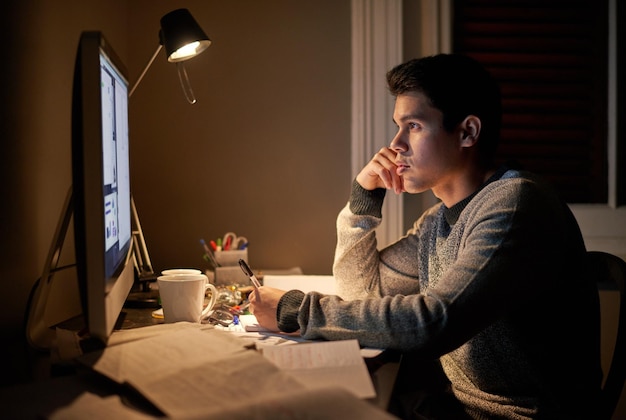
column 360, row 270
column 287, row 311
column 365, row 202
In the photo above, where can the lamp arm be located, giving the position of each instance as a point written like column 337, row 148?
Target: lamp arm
column 143, row 73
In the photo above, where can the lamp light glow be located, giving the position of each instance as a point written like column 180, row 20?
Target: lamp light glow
column 185, row 52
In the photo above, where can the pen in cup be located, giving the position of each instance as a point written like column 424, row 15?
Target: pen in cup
column 246, row 269
column 209, row 254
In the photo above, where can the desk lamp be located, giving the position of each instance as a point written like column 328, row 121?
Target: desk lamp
column 183, row 39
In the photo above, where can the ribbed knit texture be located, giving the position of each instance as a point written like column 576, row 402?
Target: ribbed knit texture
column 287, row 311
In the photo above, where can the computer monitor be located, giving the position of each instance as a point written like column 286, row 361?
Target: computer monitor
column 101, row 184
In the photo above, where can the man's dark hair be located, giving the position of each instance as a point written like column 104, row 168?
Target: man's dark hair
column 458, row 86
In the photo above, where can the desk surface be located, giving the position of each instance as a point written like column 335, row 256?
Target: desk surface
column 136, row 318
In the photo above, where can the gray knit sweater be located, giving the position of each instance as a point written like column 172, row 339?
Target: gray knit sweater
column 495, row 287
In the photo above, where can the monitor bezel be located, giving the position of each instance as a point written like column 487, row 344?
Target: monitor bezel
column 102, row 297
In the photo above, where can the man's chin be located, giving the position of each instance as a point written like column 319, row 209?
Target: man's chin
column 413, row 189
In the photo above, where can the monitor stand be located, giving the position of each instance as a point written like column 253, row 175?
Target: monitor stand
column 144, row 294
column 147, row 299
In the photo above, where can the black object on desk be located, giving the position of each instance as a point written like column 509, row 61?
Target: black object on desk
column 143, row 294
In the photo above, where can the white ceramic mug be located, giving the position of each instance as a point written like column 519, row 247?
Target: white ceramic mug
column 182, row 297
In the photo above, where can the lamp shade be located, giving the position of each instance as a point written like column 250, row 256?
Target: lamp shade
column 181, row 36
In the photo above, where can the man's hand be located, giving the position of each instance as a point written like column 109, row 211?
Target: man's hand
column 263, row 304
column 380, row 172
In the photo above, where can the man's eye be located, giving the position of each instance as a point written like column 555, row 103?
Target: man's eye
column 414, row 126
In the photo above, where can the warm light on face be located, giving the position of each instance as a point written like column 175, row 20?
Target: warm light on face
column 186, row 51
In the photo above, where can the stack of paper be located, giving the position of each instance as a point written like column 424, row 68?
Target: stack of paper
column 195, row 372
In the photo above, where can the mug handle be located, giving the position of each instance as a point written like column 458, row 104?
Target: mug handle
column 211, row 303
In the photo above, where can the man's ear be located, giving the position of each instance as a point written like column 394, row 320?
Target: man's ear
column 470, row 131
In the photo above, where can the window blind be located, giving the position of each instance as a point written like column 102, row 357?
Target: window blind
column 550, row 58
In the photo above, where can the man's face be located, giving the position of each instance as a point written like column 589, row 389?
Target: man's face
column 427, row 155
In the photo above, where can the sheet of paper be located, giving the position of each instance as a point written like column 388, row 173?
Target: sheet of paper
column 264, row 337
column 163, row 354
column 305, row 283
column 211, row 388
column 322, row 364
column 250, row 324
column 134, row 334
column 326, row 403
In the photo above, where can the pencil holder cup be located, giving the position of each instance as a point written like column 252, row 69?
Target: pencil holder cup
column 231, row 258
column 229, row 272
column 230, row 275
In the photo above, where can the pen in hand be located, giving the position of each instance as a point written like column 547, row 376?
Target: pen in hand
column 246, row 269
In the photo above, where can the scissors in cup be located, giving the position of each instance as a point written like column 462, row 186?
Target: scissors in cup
column 233, row 242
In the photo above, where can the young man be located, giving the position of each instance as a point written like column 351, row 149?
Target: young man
column 491, row 281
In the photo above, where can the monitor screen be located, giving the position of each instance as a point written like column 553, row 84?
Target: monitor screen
column 115, row 169
column 101, row 183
